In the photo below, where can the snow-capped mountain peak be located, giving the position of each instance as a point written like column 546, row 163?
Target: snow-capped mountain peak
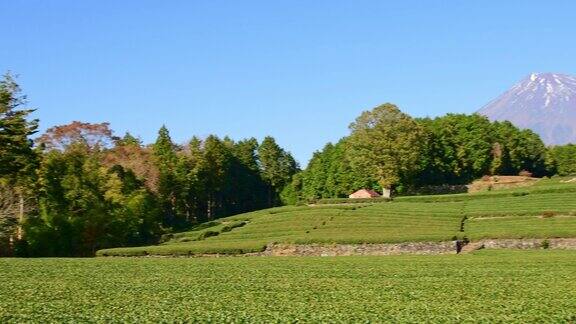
column 543, row 102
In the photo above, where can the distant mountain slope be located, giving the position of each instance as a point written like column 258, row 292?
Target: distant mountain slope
column 543, row 102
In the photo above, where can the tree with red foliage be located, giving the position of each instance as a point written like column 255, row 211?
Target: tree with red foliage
column 93, row 136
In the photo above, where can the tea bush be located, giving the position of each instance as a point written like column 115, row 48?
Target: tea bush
column 489, row 286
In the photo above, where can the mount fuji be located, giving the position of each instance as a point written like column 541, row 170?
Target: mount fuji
column 542, row 102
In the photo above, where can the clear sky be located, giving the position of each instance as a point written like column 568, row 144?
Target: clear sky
column 300, row 71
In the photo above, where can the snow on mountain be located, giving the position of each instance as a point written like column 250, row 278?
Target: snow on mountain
column 543, row 102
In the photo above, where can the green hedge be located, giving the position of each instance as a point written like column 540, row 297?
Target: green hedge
column 483, row 195
column 351, row 201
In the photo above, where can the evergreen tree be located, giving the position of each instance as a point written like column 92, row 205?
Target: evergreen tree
column 246, row 152
column 217, row 159
column 18, row 161
column 276, row 167
column 245, row 183
column 315, row 176
column 16, row 154
column 171, row 182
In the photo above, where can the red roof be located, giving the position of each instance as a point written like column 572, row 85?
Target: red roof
column 366, row 192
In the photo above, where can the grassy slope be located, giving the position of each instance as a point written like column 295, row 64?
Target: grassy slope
column 490, row 286
column 511, row 213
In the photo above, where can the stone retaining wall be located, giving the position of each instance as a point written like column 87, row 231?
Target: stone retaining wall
column 359, row 249
column 558, row 243
column 418, row 248
column 382, row 249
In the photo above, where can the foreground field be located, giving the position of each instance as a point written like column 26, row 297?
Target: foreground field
column 545, row 210
column 502, row 286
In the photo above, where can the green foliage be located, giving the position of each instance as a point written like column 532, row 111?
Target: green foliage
column 18, row 162
column 466, row 147
column 387, row 144
column 204, row 231
column 489, row 286
column 459, row 149
column 449, row 150
column 330, row 174
column 276, row 167
column 92, row 199
column 562, row 159
column 516, row 150
column 170, row 180
column 16, row 154
column 95, row 196
column 85, row 206
column 292, row 192
column 232, row 225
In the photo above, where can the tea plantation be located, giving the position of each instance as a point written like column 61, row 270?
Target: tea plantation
column 487, row 286
column 484, row 286
column 545, row 210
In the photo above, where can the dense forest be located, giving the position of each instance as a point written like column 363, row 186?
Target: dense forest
column 388, row 149
column 78, row 188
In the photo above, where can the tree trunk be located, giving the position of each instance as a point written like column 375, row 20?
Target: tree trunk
column 19, row 231
column 387, row 192
column 209, row 211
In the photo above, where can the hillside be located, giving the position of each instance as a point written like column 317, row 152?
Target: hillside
column 546, row 209
column 543, row 102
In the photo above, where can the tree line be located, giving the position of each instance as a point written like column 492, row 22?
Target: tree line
column 78, row 188
column 389, row 150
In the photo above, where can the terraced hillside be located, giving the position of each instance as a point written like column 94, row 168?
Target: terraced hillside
column 545, row 210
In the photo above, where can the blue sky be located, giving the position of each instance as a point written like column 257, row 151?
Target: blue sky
column 300, row 71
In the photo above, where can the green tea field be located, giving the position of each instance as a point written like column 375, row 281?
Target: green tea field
column 486, row 286
column 544, row 210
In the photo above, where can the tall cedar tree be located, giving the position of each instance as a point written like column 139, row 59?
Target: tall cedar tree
column 170, row 181
column 276, row 168
column 16, row 154
column 17, row 163
column 217, row 160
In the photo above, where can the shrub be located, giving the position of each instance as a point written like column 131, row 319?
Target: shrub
column 232, row 226
column 208, row 234
column 205, row 225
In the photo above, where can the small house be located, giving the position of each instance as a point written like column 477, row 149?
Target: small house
column 364, row 193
